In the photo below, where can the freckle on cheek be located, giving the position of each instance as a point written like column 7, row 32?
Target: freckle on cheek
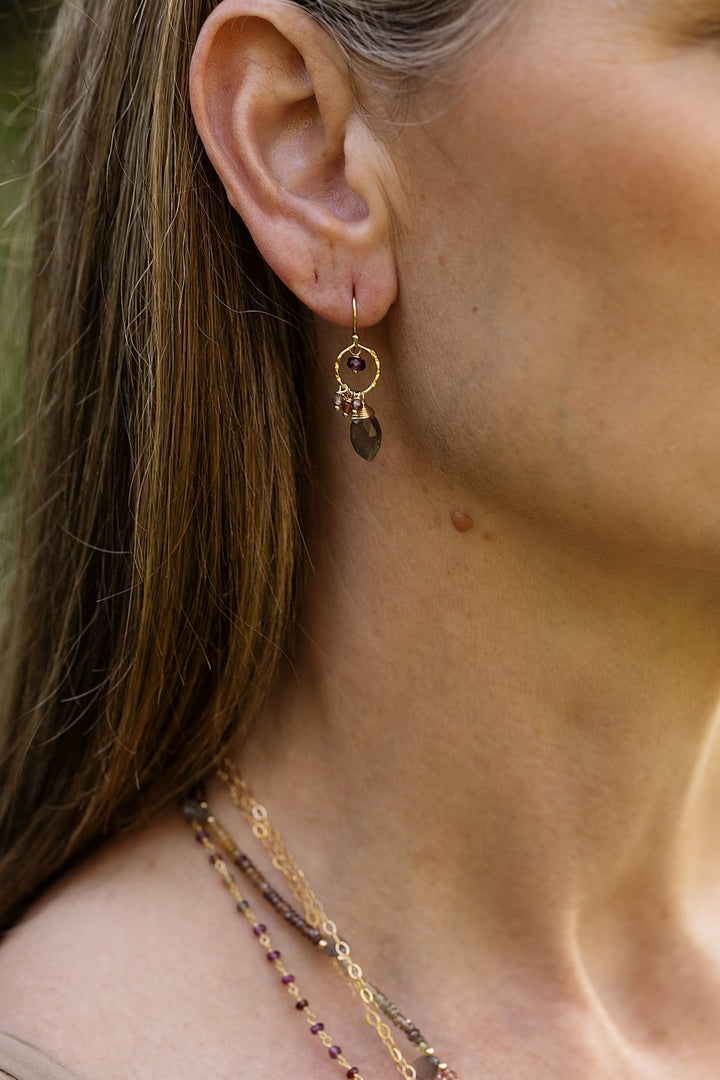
column 461, row 521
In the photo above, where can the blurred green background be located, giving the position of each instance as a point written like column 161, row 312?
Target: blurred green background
column 22, row 30
column 19, row 40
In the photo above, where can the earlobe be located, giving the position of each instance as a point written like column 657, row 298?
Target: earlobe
column 273, row 104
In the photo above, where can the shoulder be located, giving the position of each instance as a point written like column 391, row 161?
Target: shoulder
column 107, row 970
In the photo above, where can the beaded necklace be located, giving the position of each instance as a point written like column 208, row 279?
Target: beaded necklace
column 313, row 925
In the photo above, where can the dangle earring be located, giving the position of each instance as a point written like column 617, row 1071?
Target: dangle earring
column 365, row 430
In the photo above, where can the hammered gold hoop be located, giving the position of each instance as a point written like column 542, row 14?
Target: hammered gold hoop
column 355, row 349
column 350, row 352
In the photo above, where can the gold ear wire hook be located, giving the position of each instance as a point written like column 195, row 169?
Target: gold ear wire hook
column 354, row 305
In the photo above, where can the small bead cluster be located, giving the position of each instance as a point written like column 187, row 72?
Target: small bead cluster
column 402, row 1023
column 276, row 900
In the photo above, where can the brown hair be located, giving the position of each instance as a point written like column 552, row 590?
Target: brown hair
column 165, row 470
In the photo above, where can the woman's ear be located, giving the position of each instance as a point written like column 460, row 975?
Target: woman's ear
column 273, row 104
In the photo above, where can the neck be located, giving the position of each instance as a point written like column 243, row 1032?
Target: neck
column 512, row 725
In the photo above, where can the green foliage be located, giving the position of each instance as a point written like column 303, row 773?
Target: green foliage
column 19, row 17
column 18, row 52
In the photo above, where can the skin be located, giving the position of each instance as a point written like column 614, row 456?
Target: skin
column 495, row 751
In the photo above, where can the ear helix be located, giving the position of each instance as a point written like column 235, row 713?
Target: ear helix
column 365, row 430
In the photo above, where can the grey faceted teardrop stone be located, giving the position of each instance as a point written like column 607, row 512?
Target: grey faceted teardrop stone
column 366, row 436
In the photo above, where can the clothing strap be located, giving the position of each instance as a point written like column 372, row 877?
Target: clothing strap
column 20, row 1060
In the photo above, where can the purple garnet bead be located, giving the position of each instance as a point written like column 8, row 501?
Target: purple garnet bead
column 356, row 363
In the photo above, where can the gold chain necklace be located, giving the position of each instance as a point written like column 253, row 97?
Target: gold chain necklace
column 314, row 925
